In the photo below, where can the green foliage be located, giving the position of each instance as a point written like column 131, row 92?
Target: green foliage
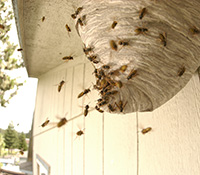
column 2, row 143
column 28, row 135
column 22, row 145
column 10, row 137
column 2, row 131
column 7, row 62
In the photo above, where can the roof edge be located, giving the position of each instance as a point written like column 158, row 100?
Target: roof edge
column 18, row 4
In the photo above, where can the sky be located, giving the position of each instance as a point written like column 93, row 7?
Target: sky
column 21, row 107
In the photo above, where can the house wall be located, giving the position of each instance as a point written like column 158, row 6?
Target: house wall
column 113, row 144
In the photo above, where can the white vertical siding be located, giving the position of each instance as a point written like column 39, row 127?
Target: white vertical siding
column 120, row 144
column 93, row 144
column 111, row 144
column 173, row 146
column 78, row 124
column 68, row 128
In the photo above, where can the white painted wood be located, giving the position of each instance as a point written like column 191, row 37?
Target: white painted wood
column 38, row 108
column 60, row 149
column 109, row 145
column 50, row 106
column 42, row 144
column 93, row 130
column 173, row 146
column 120, row 144
column 93, row 143
column 68, row 134
column 78, row 124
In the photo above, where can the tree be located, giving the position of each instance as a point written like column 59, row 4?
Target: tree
column 28, row 135
column 22, row 145
column 7, row 62
column 2, row 131
column 10, row 137
column 2, row 143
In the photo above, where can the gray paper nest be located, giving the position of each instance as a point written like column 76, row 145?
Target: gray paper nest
column 158, row 41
